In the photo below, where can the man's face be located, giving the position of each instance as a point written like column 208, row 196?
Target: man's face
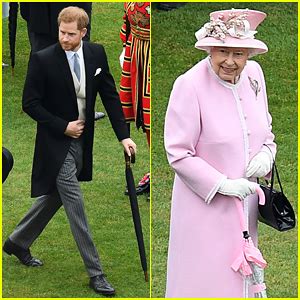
column 228, row 63
column 69, row 36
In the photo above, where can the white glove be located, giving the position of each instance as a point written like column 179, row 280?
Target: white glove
column 240, row 188
column 260, row 165
column 121, row 58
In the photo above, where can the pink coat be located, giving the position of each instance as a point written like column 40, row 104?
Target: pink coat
column 212, row 131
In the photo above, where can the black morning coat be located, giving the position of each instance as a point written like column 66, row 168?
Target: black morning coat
column 49, row 98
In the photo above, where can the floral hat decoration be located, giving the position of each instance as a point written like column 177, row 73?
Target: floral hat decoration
column 232, row 28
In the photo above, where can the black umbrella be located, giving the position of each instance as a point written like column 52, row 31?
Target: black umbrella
column 12, row 30
column 135, row 211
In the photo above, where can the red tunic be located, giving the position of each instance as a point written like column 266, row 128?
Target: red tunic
column 135, row 80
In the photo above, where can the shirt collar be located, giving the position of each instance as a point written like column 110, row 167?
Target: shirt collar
column 79, row 52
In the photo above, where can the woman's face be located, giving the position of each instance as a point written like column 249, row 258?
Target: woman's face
column 228, row 63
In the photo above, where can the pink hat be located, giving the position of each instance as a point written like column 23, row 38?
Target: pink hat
column 232, row 28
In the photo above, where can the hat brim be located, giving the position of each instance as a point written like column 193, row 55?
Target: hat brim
column 256, row 46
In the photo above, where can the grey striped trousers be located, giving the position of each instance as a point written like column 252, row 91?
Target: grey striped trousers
column 69, row 195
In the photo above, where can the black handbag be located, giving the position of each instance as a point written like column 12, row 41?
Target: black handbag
column 277, row 211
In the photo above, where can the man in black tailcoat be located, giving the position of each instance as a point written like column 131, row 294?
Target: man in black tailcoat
column 59, row 94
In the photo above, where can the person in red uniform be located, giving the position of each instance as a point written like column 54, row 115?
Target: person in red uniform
column 135, row 80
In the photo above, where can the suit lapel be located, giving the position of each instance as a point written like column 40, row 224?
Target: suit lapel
column 65, row 70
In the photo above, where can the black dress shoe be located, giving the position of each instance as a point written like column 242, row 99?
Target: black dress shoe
column 99, row 115
column 101, row 286
column 143, row 186
column 143, row 189
column 23, row 255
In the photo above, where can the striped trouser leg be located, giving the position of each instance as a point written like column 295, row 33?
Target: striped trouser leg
column 36, row 219
column 70, row 194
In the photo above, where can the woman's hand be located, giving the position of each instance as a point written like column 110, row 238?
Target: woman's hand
column 260, row 165
column 240, row 188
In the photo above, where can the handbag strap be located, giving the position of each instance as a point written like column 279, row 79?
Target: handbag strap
column 277, row 175
column 274, row 170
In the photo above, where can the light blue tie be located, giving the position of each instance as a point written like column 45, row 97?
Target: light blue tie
column 76, row 66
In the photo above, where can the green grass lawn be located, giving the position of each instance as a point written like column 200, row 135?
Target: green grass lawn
column 107, row 208
column 173, row 53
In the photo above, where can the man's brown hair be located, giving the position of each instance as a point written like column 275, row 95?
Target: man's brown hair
column 74, row 14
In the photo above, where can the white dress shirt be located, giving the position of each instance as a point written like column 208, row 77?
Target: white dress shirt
column 78, row 85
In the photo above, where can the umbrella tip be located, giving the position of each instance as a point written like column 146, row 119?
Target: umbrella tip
column 146, row 276
column 246, row 235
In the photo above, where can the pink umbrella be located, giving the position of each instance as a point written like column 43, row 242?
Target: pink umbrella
column 250, row 262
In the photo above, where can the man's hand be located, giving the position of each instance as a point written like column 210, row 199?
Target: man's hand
column 127, row 144
column 75, row 129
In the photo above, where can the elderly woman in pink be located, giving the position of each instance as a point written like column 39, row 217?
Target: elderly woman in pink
column 219, row 140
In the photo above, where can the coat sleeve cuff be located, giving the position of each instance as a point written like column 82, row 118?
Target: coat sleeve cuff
column 215, row 189
column 58, row 125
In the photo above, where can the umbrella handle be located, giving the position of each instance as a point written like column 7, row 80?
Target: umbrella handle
column 129, row 159
column 240, row 208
